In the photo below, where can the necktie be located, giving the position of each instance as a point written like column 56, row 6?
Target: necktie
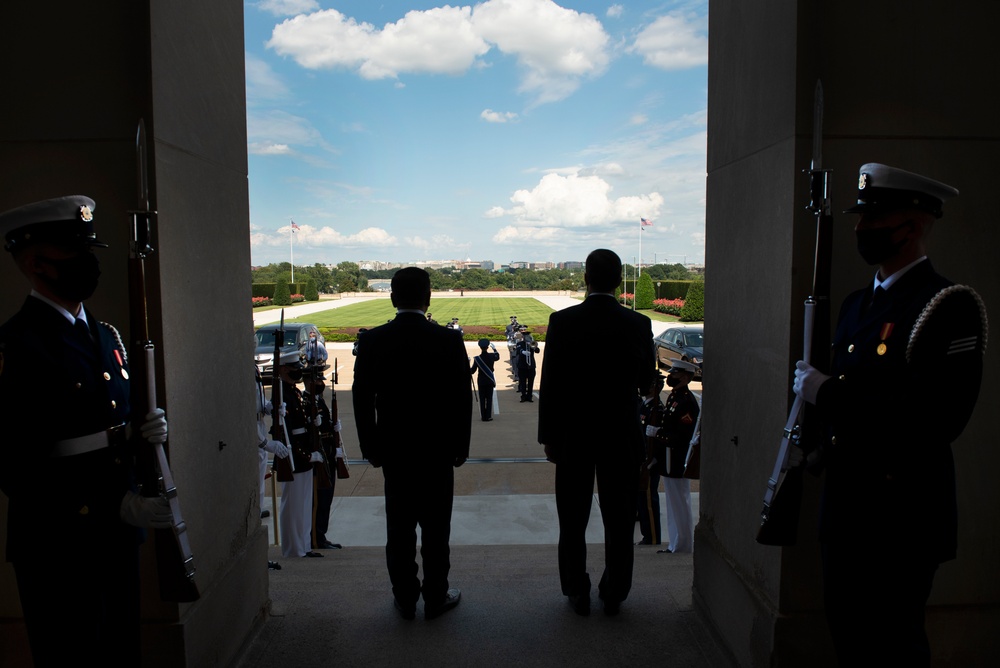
column 82, row 331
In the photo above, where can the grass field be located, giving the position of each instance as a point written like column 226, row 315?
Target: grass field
column 473, row 311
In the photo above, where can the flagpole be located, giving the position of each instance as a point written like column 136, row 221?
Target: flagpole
column 291, row 253
column 639, row 272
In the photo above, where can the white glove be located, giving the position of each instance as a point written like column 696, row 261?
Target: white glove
column 154, row 429
column 340, row 453
column 268, row 407
column 807, row 381
column 318, row 420
column 282, row 409
column 336, row 427
column 146, row 512
column 651, row 430
column 493, row 347
column 276, row 448
column 316, row 456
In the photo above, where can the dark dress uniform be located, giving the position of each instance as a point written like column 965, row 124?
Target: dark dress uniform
column 648, row 501
column 680, row 415
column 526, row 349
column 58, row 384
column 907, row 366
column 324, row 494
column 487, row 381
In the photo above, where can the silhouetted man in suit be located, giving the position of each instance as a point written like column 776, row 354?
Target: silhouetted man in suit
column 392, row 408
column 610, row 444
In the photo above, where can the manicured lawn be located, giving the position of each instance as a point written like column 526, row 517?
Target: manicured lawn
column 469, row 311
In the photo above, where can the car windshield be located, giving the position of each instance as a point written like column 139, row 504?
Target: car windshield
column 695, row 339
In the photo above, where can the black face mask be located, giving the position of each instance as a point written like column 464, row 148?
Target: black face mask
column 673, row 381
column 77, row 276
column 876, row 245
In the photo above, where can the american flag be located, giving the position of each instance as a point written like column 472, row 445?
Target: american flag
column 294, row 226
column 644, row 222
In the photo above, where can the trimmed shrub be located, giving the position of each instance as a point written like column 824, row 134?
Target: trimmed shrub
column 282, row 295
column 644, row 292
column 694, row 303
column 310, row 291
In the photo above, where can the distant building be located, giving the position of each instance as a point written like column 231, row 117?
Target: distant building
column 486, row 265
column 380, row 284
column 571, row 266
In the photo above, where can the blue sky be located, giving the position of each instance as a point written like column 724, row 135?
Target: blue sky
column 525, row 130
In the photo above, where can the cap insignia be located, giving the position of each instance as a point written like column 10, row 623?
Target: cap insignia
column 862, row 182
column 86, row 215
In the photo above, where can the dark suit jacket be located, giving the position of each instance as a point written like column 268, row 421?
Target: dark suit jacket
column 590, row 391
column 53, row 386
column 409, row 411
column 889, row 468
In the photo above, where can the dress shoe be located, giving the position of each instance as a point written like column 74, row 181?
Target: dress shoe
column 265, row 513
column 451, row 599
column 580, row 604
column 313, row 554
column 327, row 545
column 273, row 566
column 665, row 551
column 646, row 542
column 407, row 612
column 612, row 608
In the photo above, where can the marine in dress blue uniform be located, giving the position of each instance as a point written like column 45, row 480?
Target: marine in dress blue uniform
column 484, row 362
column 67, row 461
column 889, row 511
column 648, row 499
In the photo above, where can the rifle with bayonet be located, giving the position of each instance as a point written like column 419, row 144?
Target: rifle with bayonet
column 779, row 518
column 284, row 467
column 175, row 563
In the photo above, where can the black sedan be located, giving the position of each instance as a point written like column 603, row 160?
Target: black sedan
column 296, row 338
column 684, row 342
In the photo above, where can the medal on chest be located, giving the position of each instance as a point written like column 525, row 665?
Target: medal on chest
column 883, row 335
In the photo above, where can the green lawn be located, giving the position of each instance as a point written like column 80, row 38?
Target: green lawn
column 469, row 311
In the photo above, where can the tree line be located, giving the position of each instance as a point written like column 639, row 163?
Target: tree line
column 348, row 277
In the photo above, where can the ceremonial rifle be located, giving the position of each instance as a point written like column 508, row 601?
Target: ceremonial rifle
column 340, row 458
column 284, row 467
column 779, row 518
column 175, row 563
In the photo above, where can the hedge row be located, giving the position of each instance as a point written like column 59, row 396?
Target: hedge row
column 667, row 290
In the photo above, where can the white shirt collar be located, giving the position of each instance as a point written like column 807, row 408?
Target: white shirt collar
column 888, row 282
column 66, row 314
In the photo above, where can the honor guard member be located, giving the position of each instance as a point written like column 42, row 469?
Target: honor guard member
column 526, row 351
column 889, row 514
column 295, row 511
column 328, row 434
column 264, row 443
column 650, row 414
column 67, row 458
column 487, row 380
column 680, row 415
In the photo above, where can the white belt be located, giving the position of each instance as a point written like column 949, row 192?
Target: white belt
column 299, row 431
column 88, row 443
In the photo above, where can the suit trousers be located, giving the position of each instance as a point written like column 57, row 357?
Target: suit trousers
column 617, row 481
column 418, row 495
column 324, row 498
column 649, row 511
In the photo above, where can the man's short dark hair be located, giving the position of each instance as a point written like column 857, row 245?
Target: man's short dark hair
column 411, row 288
column 603, row 270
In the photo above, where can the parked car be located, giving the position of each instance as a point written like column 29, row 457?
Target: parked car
column 296, row 338
column 684, row 342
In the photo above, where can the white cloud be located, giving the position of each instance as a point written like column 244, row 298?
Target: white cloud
column 438, row 242
column 266, row 148
column 262, row 82
column 494, row 212
column 554, row 46
column 287, row 7
column 614, row 11
column 325, row 237
column 279, row 128
column 577, row 201
column 638, row 119
column 439, row 40
column 673, row 42
column 491, row 116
